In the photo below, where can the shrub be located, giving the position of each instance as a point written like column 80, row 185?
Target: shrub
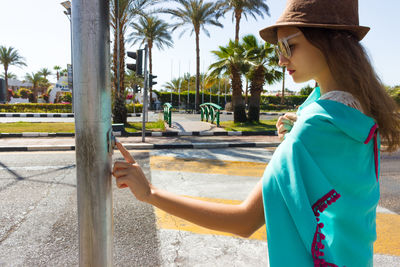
column 31, row 97
column 138, row 108
column 24, row 92
column 36, row 108
column 66, row 97
column 46, row 97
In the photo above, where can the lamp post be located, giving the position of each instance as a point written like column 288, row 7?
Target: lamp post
column 67, row 12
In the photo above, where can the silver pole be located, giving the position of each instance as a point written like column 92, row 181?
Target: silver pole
column 146, row 51
column 219, row 88
column 225, row 92
column 91, row 74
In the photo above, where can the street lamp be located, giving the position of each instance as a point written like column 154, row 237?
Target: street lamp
column 67, row 12
column 67, row 6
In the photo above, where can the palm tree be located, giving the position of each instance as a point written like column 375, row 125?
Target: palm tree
column 153, row 31
column 196, row 14
column 10, row 75
column 10, row 57
column 173, row 84
column 45, row 72
column 35, row 79
column 243, row 7
column 57, row 68
column 231, row 62
column 132, row 79
column 119, row 21
column 263, row 67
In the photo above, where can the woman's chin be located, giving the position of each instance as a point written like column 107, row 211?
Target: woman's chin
column 298, row 79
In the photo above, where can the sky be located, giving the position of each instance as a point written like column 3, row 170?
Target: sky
column 40, row 31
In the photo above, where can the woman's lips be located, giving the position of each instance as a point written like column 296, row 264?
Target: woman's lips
column 291, row 72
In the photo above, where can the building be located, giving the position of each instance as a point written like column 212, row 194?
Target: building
column 15, row 85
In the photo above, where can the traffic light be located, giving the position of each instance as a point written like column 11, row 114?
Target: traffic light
column 138, row 67
column 151, row 78
column 136, row 89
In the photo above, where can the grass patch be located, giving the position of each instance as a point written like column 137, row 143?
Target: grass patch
column 132, row 127
column 43, row 127
column 263, row 125
column 69, row 127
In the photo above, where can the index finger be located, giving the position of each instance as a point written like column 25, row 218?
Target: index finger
column 127, row 156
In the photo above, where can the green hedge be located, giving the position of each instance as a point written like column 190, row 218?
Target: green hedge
column 165, row 97
column 138, row 108
column 36, row 108
column 269, row 102
column 51, row 108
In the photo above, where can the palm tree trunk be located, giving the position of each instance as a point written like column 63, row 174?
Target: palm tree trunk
column 6, row 80
column 119, row 110
column 247, row 92
column 238, row 16
column 239, row 111
column 197, row 69
column 256, row 87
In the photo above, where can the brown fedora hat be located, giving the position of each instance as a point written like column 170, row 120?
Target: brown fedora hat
column 330, row 14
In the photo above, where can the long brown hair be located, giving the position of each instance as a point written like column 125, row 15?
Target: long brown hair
column 349, row 62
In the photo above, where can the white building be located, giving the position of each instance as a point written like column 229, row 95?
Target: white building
column 60, row 87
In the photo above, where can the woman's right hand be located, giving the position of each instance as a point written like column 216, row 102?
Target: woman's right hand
column 285, row 124
column 129, row 174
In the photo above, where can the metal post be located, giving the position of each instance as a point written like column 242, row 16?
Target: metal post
column 91, row 74
column 179, row 88
column 188, row 88
column 225, row 92
column 146, row 52
column 219, row 88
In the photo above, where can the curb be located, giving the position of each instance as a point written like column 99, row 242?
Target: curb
column 146, row 146
column 151, row 134
column 37, row 115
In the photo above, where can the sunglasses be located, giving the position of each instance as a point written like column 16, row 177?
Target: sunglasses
column 283, row 48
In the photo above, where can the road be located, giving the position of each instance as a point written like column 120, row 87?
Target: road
column 38, row 221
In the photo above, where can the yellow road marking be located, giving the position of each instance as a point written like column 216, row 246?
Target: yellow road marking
column 214, row 166
column 388, row 234
column 167, row 221
column 388, row 228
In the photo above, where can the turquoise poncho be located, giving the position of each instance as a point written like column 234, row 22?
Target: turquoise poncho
column 321, row 190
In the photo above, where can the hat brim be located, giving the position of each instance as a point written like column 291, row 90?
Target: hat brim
column 269, row 33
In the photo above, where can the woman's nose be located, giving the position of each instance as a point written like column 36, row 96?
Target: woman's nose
column 283, row 61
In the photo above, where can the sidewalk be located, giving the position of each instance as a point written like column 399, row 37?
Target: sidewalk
column 181, row 134
column 176, row 142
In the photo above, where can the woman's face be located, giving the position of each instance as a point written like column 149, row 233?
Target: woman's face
column 306, row 62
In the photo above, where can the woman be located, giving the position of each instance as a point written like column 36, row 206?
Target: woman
column 319, row 192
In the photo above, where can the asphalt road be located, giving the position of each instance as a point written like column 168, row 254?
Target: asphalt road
column 38, row 221
column 390, row 181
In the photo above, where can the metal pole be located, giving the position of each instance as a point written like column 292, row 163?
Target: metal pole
column 118, row 61
column 146, row 51
column 72, row 84
column 179, row 88
column 92, row 83
column 225, row 92
column 210, row 95
column 171, row 80
column 219, row 88
column 188, row 87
